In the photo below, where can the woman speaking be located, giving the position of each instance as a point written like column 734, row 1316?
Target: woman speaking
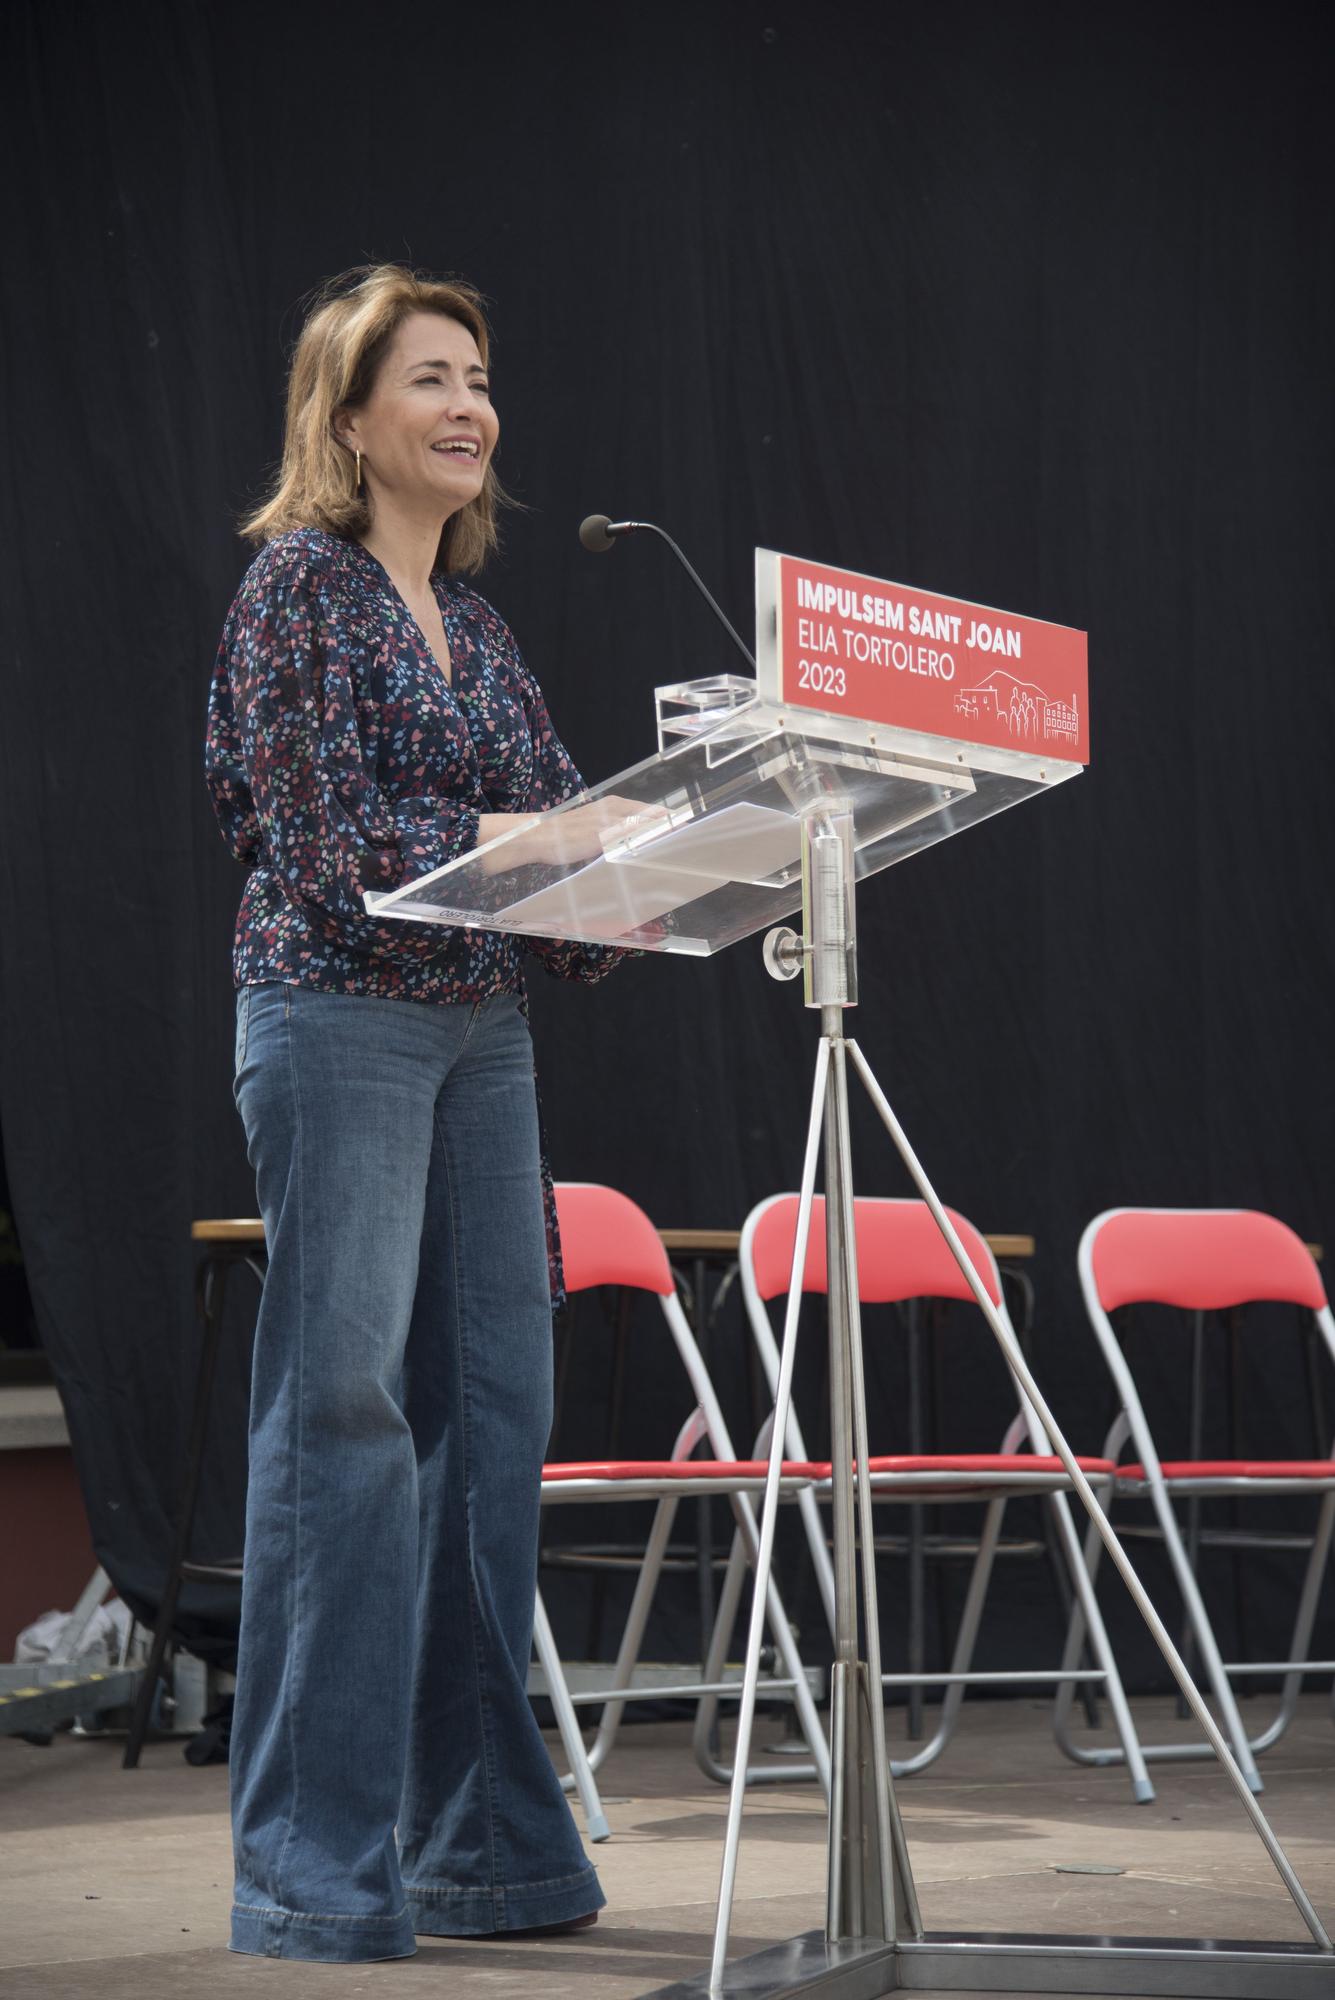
column 370, row 717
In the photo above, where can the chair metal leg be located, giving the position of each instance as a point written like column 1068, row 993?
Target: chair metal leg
column 962, row 1658
column 1205, row 1639
column 1100, row 1756
column 1195, row 1450
column 704, row 1525
column 1061, row 1573
column 620, row 1322
column 1236, row 1402
column 741, row 1557
column 1091, row 1620
column 632, row 1635
column 581, row 1775
column 917, row 1568
column 784, row 1643
column 813, row 1523
column 1077, row 1627
column 707, row 1708
column 1300, row 1644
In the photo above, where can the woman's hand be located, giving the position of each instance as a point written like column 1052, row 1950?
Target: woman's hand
column 578, row 833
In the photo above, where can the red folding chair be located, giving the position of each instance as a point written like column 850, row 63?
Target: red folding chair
column 901, row 1255
column 1205, row 1260
column 607, row 1240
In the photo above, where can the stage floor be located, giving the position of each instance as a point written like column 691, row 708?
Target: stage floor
column 116, row 1884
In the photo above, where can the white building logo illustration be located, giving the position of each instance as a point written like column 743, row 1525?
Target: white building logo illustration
column 1022, row 708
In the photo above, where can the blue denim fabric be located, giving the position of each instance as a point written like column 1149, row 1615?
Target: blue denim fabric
column 400, row 1408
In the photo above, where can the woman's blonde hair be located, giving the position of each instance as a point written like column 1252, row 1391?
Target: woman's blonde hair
column 351, row 322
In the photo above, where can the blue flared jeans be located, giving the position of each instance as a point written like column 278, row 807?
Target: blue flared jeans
column 388, row 1776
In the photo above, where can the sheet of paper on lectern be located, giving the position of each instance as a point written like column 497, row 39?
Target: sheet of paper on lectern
column 741, row 843
column 643, row 879
column 599, row 902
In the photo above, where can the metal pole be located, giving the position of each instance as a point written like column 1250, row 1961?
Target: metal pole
column 870, row 1890
column 899, row 1913
column 845, row 1911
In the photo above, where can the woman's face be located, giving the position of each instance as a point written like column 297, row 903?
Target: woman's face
column 427, row 430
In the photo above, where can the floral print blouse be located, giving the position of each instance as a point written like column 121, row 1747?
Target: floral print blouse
column 340, row 759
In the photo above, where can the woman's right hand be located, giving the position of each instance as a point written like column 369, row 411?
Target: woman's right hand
column 576, row 833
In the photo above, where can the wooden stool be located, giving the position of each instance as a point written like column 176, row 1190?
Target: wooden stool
column 226, row 1244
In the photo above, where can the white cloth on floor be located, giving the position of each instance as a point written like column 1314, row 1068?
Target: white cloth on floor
column 98, row 1646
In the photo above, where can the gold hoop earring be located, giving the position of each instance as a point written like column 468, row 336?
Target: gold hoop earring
column 357, row 485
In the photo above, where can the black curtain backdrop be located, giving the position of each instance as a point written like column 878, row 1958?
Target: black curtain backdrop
column 1031, row 304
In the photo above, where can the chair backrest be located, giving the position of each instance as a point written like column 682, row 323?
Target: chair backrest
column 1196, row 1260
column 607, row 1240
column 1201, row 1259
column 901, row 1252
column 901, row 1255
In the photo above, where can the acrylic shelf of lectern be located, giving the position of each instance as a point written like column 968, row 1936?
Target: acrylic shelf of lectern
column 710, row 848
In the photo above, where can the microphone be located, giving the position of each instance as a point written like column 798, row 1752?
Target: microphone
column 598, row 535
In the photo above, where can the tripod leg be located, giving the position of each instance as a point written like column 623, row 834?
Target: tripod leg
column 769, row 1514
column 1158, row 1631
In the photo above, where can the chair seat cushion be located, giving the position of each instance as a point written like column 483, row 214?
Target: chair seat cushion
column 1237, row 1468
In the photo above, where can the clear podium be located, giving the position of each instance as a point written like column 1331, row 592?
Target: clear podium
column 868, row 735
column 709, row 850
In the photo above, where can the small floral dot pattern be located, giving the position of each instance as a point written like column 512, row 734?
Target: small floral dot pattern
column 339, row 759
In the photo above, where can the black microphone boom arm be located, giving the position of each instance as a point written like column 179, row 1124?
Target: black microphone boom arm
column 598, row 533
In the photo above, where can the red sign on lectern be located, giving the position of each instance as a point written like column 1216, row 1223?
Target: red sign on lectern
column 848, row 644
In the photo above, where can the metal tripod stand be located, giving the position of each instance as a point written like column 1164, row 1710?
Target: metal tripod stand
column 873, row 1942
